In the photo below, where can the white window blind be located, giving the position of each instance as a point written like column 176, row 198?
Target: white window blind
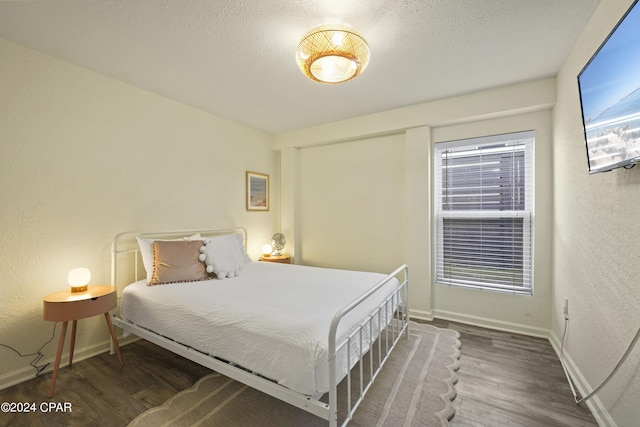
column 484, row 213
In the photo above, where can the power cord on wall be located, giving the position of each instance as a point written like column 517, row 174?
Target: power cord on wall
column 38, row 354
column 615, row 369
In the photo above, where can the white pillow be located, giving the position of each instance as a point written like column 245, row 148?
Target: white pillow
column 146, row 251
column 225, row 255
column 243, row 251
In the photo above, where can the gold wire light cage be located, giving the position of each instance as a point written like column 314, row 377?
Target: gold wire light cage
column 332, row 53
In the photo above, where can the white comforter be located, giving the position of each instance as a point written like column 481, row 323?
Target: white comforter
column 272, row 319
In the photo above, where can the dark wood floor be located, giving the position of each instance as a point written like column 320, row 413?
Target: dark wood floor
column 504, row 379
column 511, row 380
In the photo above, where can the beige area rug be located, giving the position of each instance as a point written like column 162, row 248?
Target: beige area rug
column 415, row 388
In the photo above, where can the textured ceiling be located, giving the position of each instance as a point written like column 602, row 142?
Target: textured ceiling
column 236, row 58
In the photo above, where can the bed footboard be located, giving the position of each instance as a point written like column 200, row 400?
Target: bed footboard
column 392, row 319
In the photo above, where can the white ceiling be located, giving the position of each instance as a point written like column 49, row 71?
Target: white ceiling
column 236, row 58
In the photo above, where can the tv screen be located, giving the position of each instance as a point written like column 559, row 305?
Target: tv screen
column 610, row 96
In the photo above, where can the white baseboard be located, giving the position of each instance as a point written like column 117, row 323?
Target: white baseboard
column 581, row 384
column 24, row 374
column 420, row 314
column 492, row 323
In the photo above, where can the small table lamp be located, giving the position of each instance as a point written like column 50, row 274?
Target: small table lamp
column 266, row 250
column 79, row 278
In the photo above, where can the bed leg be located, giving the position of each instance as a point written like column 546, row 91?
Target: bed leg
column 404, row 316
column 333, row 387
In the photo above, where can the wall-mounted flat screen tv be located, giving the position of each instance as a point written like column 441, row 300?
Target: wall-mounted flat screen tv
column 610, row 97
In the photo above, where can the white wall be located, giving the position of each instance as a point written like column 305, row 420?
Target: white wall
column 83, row 157
column 364, row 196
column 596, row 247
column 351, row 204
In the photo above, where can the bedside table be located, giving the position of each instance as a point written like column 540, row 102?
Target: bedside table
column 282, row 259
column 66, row 305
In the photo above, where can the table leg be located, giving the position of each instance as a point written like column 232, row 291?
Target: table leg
column 73, row 341
column 58, row 356
column 112, row 331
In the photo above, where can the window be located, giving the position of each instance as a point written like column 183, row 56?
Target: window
column 484, row 213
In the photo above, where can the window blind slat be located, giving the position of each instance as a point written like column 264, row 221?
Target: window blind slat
column 484, row 213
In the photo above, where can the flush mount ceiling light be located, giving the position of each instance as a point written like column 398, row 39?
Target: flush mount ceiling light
column 332, row 53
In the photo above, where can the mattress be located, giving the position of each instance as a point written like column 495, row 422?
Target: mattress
column 272, row 319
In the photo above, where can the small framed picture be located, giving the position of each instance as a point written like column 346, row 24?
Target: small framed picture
column 257, row 191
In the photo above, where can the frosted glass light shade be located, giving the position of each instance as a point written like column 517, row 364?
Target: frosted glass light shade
column 332, row 53
column 79, row 278
column 266, row 250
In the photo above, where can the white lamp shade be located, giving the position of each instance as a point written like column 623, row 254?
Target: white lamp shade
column 79, row 277
column 266, row 249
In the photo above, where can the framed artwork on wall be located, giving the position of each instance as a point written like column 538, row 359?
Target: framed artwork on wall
column 257, row 191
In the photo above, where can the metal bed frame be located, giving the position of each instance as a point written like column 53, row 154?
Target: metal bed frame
column 375, row 348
